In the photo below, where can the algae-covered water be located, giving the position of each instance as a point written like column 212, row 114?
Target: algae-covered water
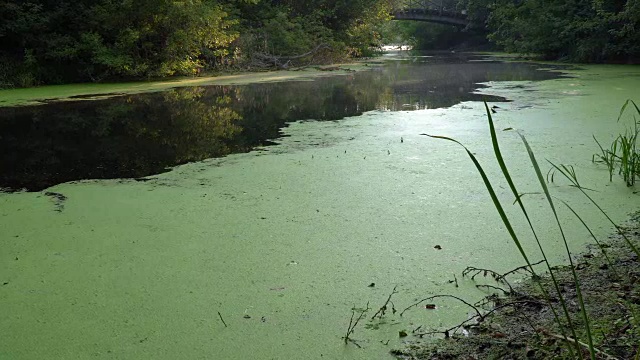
column 262, row 254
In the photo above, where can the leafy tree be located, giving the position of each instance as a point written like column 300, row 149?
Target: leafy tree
column 55, row 41
column 575, row 30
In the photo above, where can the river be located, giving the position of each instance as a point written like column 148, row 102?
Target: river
column 245, row 222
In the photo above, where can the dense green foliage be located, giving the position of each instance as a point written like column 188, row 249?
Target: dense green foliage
column 574, row 30
column 49, row 42
column 46, row 41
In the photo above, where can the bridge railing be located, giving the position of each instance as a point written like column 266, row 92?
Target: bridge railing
column 441, row 6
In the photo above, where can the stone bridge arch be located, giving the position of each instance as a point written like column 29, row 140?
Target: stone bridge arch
column 435, row 11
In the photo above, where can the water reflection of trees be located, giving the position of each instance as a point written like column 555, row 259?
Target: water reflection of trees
column 139, row 135
column 130, row 136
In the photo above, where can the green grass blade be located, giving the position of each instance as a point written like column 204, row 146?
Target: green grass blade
column 543, row 184
column 518, row 199
column 605, row 157
column 634, row 105
column 493, row 196
column 602, row 248
column 626, row 103
column 623, row 108
column 507, row 176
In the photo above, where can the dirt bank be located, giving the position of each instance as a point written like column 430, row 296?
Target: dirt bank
column 520, row 324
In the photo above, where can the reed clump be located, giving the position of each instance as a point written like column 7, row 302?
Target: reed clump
column 623, row 154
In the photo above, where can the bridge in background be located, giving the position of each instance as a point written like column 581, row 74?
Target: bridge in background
column 435, row 11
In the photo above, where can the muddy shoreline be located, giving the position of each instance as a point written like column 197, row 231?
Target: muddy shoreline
column 520, row 325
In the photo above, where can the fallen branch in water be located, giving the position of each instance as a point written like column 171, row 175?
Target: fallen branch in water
column 353, row 323
column 221, row 319
column 380, row 313
column 440, row 296
column 500, row 278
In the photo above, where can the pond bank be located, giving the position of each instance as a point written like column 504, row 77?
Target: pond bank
column 92, row 91
column 520, row 325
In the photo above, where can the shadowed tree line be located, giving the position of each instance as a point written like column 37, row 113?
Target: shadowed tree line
column 571, row 30
column 62, row 41
column 49, row 42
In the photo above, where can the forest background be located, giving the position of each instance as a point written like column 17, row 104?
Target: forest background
column 64, row 41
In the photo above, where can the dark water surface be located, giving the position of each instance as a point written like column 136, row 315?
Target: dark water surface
column 138, row 135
